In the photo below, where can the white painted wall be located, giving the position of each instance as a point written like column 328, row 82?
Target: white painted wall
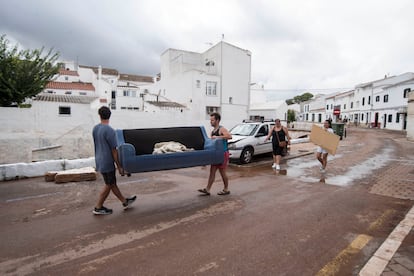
column 25, row 129
column 410, row 116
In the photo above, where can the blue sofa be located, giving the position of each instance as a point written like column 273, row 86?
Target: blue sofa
column 135, row 147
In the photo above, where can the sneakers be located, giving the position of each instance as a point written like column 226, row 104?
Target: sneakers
column 277, row 167
column 274, row 166
column 102, row 211
column 128, row 202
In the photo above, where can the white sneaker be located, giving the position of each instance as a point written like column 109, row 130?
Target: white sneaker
column 273, row 166
column 277, row 167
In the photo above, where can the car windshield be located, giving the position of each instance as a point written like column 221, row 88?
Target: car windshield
column 244, row 129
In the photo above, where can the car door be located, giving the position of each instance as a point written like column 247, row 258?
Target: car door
column 260, row 136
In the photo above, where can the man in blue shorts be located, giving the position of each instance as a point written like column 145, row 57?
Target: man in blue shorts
column 106, row 155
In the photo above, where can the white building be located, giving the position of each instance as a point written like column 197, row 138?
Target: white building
column 314, row 110
column 390, row 105
column 339, row 106
column 217, row 80
column 378, row 102
column 268, row 110
column 410, row 116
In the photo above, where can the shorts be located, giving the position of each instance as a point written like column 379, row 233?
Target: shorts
column 225, row 162
column 109, row 178
column 321, row 150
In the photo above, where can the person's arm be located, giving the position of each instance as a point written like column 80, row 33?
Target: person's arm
column 117, row 163
column 287, row 134
column 224, row 133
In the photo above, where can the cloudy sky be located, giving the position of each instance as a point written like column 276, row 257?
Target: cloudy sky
column 295, row 44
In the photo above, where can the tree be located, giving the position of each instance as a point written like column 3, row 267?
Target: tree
column 24, row 73
column 303, row 98
column 291, row 115
column 289, row 101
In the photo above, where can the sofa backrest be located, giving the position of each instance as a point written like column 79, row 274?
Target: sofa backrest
column 144, row 139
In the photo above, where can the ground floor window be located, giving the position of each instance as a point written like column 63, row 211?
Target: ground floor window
column 64, row 110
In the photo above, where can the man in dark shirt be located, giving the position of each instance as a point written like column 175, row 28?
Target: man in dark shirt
column 106, row 155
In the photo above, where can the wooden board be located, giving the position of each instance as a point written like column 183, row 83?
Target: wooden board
column 328, row 141
column 74, row 175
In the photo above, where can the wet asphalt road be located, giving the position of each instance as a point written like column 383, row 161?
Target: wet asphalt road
column 301, row 223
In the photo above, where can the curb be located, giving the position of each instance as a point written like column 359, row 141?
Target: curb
column 379, row 261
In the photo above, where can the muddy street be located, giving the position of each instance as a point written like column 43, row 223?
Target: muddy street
column 298, row 222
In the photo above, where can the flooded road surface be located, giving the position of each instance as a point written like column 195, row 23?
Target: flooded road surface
column 294, row 222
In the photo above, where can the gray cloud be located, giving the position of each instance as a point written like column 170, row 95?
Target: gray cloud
column 294, row 44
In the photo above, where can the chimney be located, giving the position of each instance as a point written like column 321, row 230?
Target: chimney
column 99, row 72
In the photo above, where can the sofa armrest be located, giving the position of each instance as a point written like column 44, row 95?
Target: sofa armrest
column 125, row 152
column 214, row 144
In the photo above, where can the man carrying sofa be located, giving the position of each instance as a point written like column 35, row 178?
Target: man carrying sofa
column 218, row 132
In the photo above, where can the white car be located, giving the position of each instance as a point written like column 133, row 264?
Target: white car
column 248, row 139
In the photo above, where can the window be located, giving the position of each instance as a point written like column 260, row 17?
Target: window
column 68, row 92
column 385, row 98
column 211, row 88
column 130, row 93
column 263, row 131
column 397, row 117
column 230, row 100
column 50, row 91
column 211, row 109
column 331, row 106
column 377, row 98
column 344, row 106
column 198, row 83
column 363, row 101
column 390, row 118
column 82, row 93
column 66, row 78
column 406, row 91
column 327, row 107
column 362, row 117
column 64, row 110
column 352, row 105
column 369, row 99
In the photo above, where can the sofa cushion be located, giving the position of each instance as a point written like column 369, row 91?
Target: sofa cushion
column 144, row 139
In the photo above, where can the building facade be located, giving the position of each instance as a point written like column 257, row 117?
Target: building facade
column 217, row 80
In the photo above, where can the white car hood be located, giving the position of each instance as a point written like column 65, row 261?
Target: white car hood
column 236, row 138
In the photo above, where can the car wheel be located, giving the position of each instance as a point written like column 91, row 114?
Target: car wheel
column 246, row 156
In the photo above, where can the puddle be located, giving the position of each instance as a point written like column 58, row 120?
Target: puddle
column 299, row 169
